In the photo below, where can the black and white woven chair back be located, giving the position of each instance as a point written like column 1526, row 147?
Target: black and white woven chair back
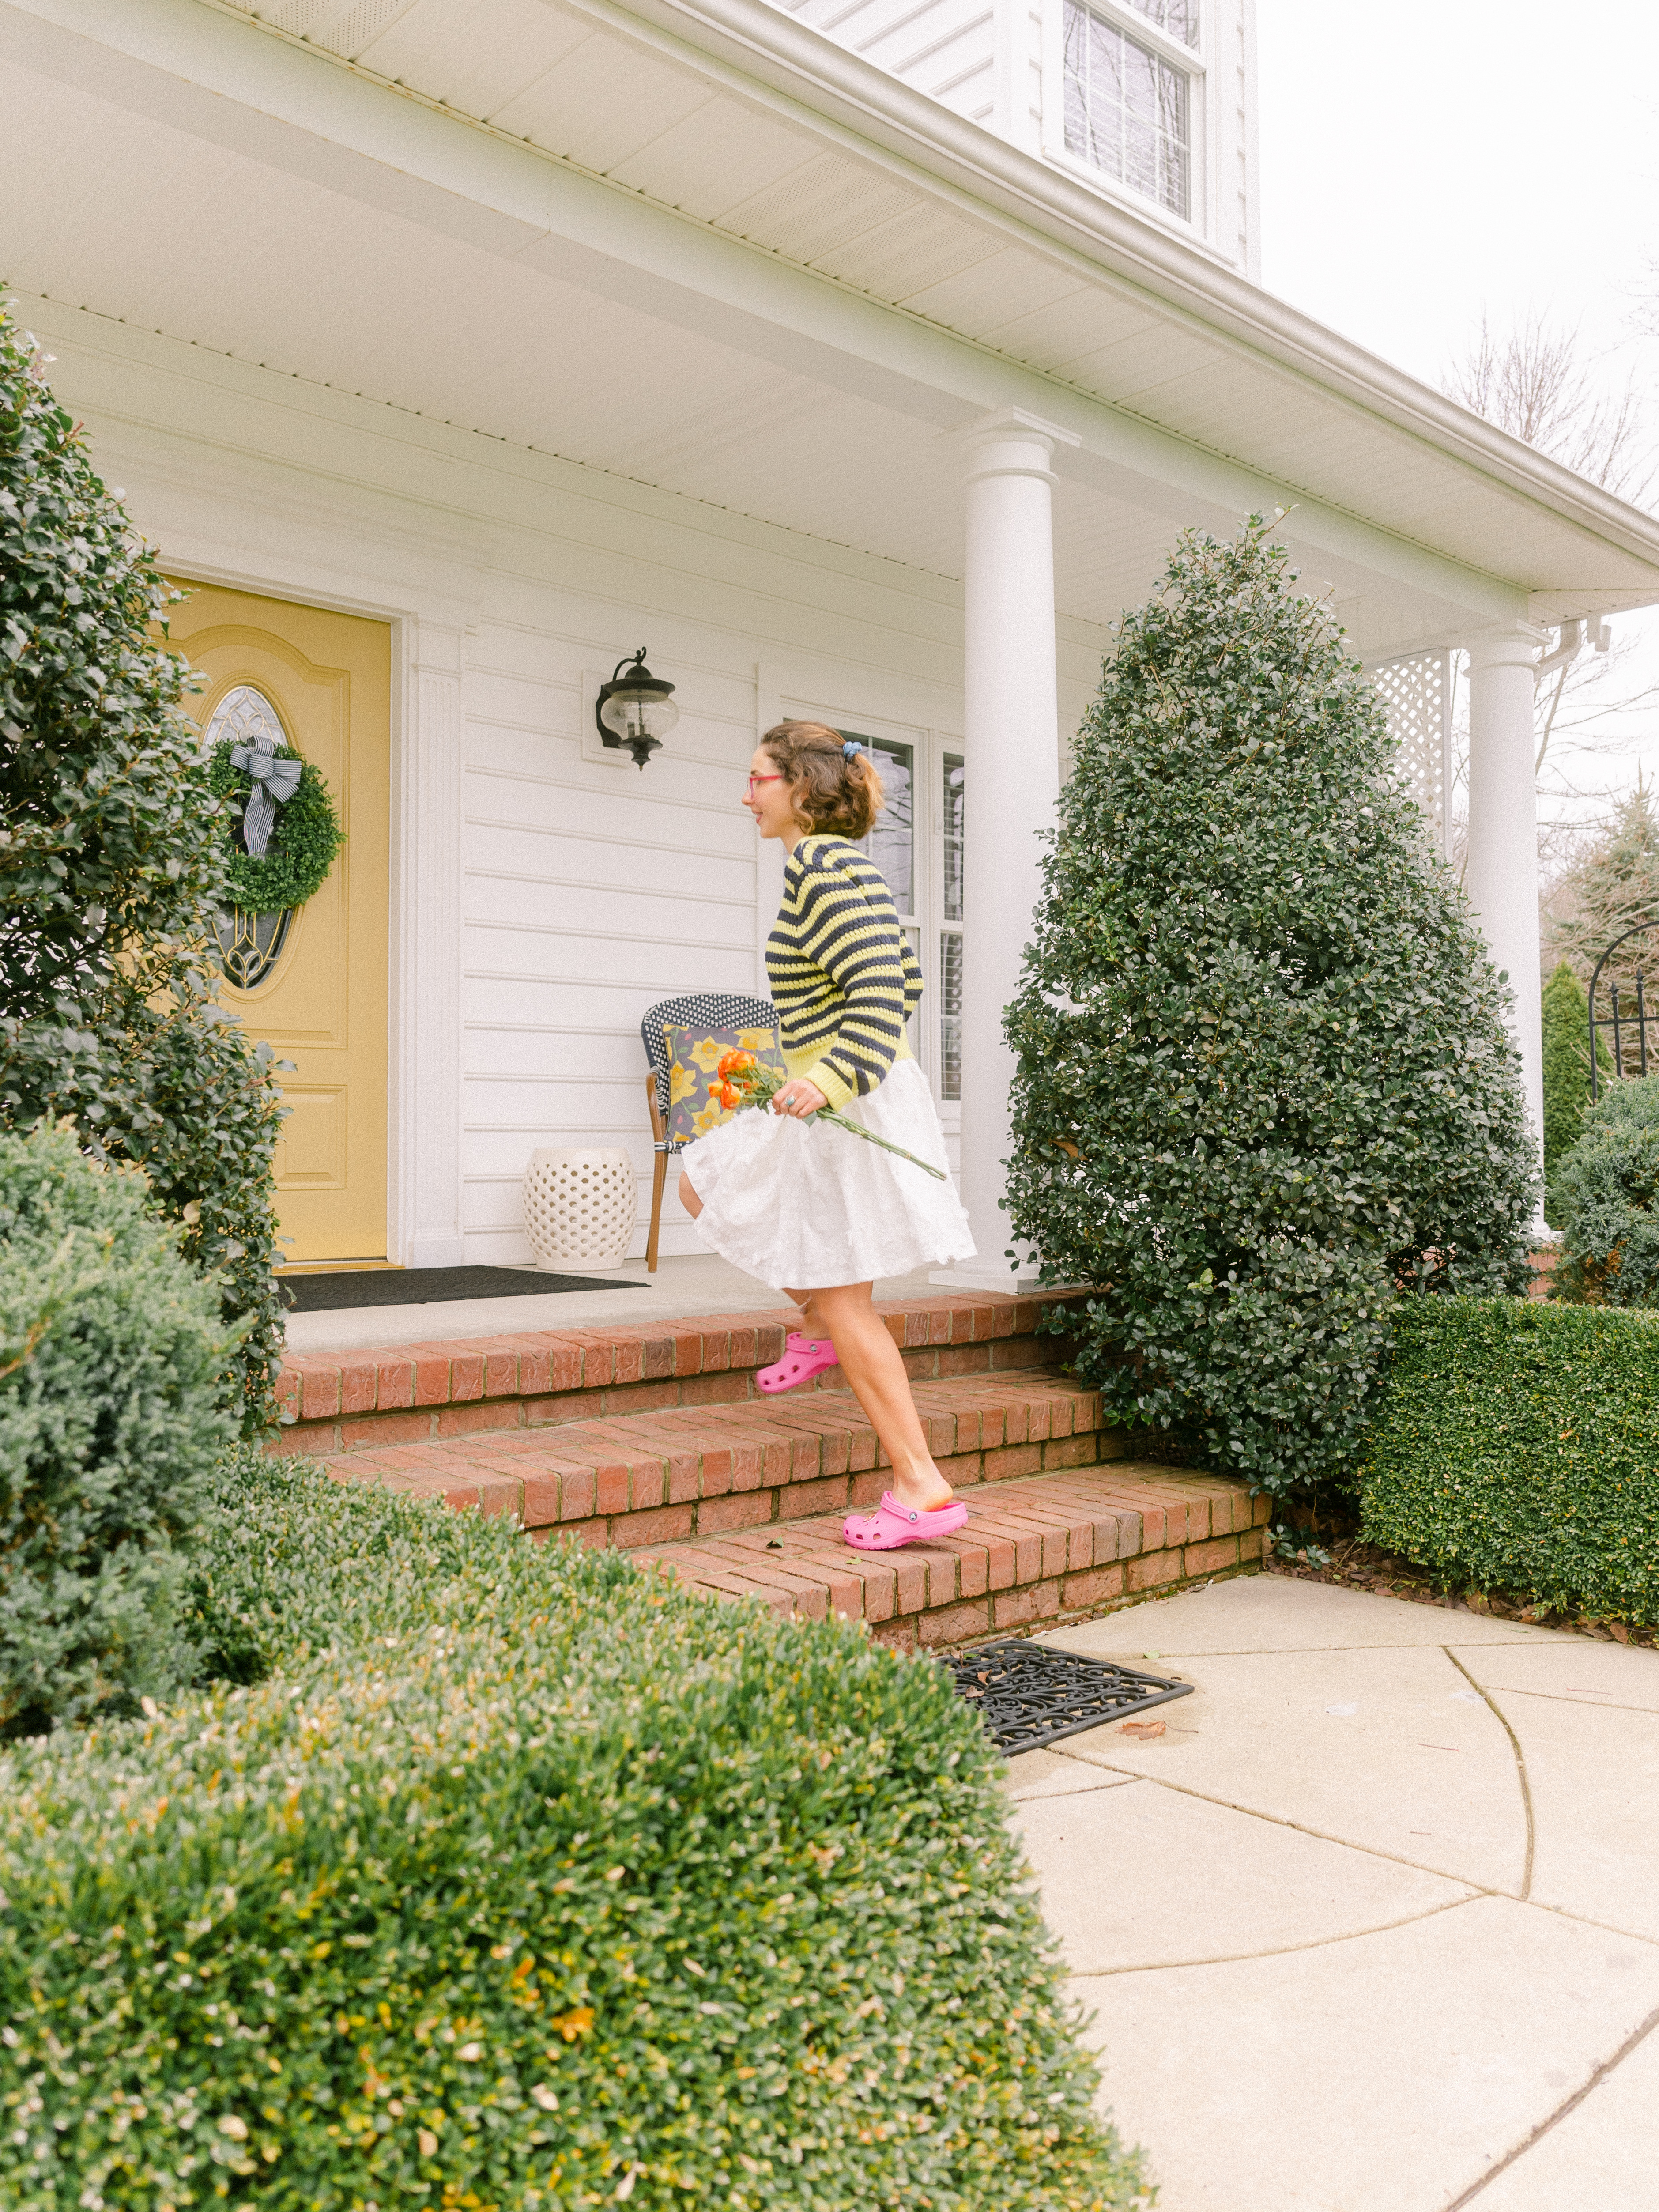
column 705, row 1010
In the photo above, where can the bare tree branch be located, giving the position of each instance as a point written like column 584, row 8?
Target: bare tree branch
column 1537, row 385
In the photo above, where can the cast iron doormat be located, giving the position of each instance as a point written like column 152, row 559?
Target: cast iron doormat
column 422, row 1287
column 1029, row 1694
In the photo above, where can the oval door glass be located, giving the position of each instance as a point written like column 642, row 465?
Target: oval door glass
column 250, row 944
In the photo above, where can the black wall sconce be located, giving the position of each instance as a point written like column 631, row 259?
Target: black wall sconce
column 635, row 710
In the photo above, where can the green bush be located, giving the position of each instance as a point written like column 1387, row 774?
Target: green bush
column 1607, row 1189
column 113, row 870
column 539, row 1883
column 1263, row 1072
column 111, row 1420
column 1517, row 1447
column 1566, row 1076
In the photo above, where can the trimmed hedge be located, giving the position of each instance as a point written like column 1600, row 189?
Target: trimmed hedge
column 1517, row 1447
column 112, row 1351
column 530, row 1881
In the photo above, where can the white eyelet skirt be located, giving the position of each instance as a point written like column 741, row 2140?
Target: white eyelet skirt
column 809, row 1206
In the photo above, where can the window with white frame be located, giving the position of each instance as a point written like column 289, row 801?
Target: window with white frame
column 917, row 843
column 1129, row 107
column 893, row 843
column 953, row 824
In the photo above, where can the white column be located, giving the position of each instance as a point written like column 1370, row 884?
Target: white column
column 1010, row 732
column 1502, row 876
column 428, row 805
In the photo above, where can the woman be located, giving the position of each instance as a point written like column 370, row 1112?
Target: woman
column 817, row 1207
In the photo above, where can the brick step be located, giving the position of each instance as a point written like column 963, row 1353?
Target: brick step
column 1042, row 1549
column 686, row 1471
column 422, row 1393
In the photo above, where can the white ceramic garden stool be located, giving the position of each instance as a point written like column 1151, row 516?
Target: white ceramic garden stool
column 579, row 1210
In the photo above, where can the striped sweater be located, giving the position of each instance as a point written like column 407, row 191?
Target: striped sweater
column 843, row 975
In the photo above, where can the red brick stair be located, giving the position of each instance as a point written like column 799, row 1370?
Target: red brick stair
column 1040, row 1551
column 695, row 1470
column 420, row 1393
column 655, row 1439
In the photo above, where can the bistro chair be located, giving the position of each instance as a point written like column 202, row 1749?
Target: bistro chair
column 707, row 1014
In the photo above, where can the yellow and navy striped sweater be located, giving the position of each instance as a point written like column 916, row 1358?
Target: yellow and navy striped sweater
column 843, row 975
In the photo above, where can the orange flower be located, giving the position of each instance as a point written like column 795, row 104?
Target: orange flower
column 733, row 1063
column 728, row 1097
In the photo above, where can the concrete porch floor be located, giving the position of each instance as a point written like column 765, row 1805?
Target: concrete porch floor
column 700, row 1283
column 1373, row 1927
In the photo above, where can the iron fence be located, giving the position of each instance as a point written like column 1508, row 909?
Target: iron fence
column 1619, row 1020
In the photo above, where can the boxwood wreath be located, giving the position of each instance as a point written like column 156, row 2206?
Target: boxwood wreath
column 304, row 840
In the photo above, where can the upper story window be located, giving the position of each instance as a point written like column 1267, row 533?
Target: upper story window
column 1129, row 110
column 1178, row 17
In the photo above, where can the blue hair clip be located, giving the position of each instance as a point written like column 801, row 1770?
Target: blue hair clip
column 851, row 748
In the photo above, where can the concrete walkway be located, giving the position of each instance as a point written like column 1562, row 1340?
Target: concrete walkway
column 1374, row 1927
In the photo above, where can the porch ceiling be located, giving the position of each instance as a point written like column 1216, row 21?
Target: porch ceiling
column 300, row 215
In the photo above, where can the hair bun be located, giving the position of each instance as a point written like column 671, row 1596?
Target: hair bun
column 850, row 749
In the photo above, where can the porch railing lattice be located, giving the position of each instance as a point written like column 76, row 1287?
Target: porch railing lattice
column 1415, row 688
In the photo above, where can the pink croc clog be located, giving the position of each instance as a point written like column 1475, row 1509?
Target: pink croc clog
column 803, row 1357
column 892, row 1524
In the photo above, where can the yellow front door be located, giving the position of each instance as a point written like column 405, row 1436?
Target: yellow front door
column 325, row 680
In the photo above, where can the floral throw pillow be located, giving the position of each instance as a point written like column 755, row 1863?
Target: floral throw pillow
column 694, row 1106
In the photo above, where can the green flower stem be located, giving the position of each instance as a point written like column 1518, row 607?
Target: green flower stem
column 856, row 1129
column 761, row 1085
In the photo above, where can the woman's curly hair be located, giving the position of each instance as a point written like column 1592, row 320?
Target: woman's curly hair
column 830, row 791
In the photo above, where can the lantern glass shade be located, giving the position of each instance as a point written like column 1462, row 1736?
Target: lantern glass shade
column 635, row 710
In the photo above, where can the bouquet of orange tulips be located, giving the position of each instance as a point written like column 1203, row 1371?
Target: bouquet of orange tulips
column 742, row 1081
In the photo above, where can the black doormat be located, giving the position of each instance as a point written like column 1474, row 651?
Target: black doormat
column 426, row 1286
column 1029, row 1694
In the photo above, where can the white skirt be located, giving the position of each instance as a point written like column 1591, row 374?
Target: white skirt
column 809, row 1206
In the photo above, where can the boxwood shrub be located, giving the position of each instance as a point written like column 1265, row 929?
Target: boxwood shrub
column 1606, row 1194
column 112, row 1416
column 523, row 1879
column 1263, row 1072
column 1517, row 1447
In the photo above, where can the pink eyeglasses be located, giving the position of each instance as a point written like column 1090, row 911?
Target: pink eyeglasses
column 754, row 780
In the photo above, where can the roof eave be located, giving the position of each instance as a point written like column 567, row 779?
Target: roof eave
column 813, row 71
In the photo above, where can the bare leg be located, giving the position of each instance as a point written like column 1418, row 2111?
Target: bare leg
column 689, row 1198
column 874, row 1366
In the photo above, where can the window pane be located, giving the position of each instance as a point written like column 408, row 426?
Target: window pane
column 892, row 843
column 950, row 1013
column 955, row 831
column 1178, row 17
column 1127, row 109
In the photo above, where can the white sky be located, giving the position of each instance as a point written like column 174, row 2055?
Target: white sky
column 1424, row 160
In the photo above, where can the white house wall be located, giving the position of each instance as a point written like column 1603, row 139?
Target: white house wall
column 946, row 48
column 586, row 888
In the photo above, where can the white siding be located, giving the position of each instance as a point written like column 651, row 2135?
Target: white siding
column 592, row 888
column 946, row 48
